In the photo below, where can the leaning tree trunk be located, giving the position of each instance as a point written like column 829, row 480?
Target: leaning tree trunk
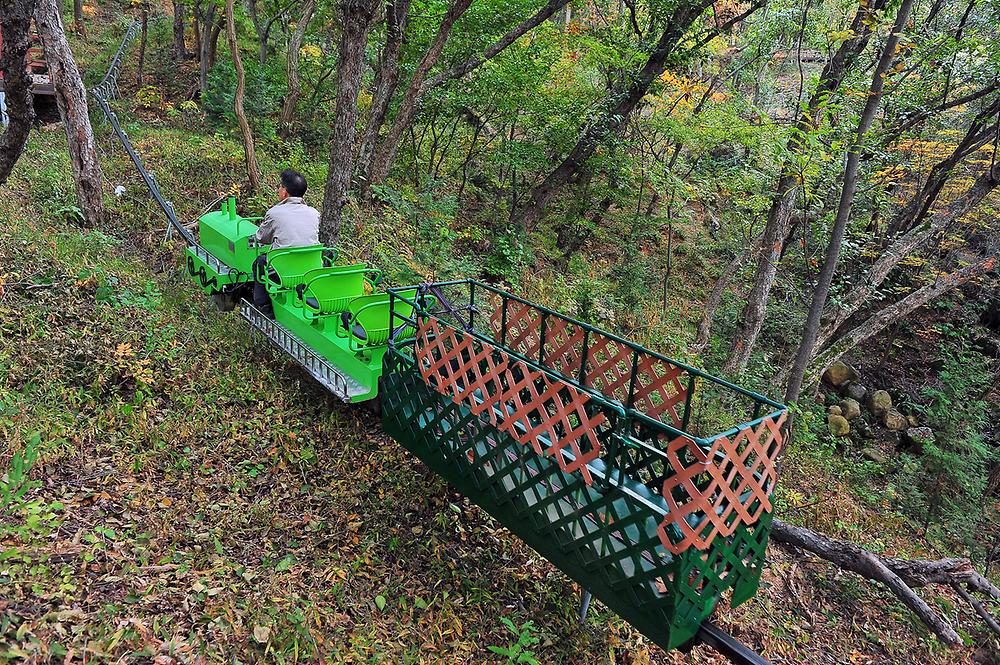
column 619, row 106
column 494, row 49
column 356, row 18
column 457, row 71
column 78, row 18
column 837, row 314
column 253, row 173
column 71, row 98
column 901, row 576
column 715, row 297
column 386, row 153
column 825, row 281
column 15, row 23
column 180, row 49
column 386, row 80
column 292, row 69
column 886, row 316
column 980, row 131
column 751, row 319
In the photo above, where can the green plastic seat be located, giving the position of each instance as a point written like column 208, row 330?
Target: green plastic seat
column 288, row 266
column 366, row 323
column 328, row 291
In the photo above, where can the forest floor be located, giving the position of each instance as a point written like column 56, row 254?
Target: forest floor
column 197, row 497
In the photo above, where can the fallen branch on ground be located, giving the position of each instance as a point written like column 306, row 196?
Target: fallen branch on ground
column 902, row 576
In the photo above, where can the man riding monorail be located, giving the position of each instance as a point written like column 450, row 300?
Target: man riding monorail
column 290, row 223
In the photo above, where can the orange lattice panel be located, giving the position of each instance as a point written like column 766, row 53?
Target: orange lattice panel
column 723, row 487
column 659, row 391
column 523, row 328
column 513, row 397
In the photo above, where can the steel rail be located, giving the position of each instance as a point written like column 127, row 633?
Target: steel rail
column 107, row 90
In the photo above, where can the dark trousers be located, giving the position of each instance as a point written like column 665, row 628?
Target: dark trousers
column 261, row 298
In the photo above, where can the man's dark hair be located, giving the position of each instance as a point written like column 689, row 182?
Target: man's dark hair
column 294, row 182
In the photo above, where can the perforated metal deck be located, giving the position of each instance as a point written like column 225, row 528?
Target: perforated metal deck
column 329, row 377
column 214, row 263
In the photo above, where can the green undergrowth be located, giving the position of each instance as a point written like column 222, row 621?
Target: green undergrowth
column 173, row 488
column 183, row 490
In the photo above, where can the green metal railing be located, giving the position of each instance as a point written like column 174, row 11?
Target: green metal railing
column 582, row 444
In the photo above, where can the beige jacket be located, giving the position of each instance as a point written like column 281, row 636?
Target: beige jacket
column 291, row 223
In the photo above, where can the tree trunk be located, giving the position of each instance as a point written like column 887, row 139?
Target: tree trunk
column 386, row 80
column 910, row 121
column 263, row 28
column 715, row 298
column 367, row 175
column 838, row 313
column 292, row 69
column 979, row 133
column 258, row 27
column 15, row 24
column 619, row 105
column 463, row 68
column 205, row 25
column 142, row 42
column 752, row 317
column 253, row 173
column 213, row 41
column 180, row 49
column 197, row 33
column 886, row 316
column 901, row 576
column 78, row 18
column 356, row 18
column 386, row 153
column 822, row 292
column 71, row 98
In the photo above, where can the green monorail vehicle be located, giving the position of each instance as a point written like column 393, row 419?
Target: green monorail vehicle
column 643, row 479
column 646, row 480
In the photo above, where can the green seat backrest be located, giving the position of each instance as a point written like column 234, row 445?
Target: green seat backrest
column 331, row 290
column 372, row 314
column 292, row 263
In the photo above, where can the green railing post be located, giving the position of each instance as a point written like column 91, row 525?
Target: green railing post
column 631, row 380
column 541, row 339
column 583, row 362
column 472, row 304
column 687, row 401
column 503, row 322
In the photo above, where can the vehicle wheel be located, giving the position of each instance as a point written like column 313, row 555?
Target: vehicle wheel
column 376, row 406
column 225, row 302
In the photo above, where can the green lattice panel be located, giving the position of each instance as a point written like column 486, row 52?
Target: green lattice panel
column 598, row 533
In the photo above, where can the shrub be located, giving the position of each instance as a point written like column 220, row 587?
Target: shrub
column 943, row 485
column 264, row 89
